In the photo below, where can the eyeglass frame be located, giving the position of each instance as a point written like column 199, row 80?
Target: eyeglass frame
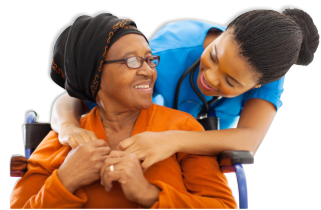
column 126, row 59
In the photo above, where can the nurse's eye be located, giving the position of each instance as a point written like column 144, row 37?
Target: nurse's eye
column 211, row 55
column 228, row 81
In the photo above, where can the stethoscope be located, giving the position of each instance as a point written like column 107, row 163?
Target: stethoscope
column 206, row 116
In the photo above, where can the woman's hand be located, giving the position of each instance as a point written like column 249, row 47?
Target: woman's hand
column 83, row 164
column 145, row 144
column 128, row 172
column 74, row 136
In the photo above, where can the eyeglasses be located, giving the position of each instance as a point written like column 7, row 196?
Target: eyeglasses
column 136, row 62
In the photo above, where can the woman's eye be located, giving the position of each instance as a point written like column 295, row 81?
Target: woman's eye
column 228, row 81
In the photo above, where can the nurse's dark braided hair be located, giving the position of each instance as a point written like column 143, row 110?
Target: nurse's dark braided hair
column 272, row 42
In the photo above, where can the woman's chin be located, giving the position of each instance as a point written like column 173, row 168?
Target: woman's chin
column 144, row 104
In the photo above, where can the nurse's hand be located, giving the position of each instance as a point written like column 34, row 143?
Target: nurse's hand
column 74, row 136
column 150, row 147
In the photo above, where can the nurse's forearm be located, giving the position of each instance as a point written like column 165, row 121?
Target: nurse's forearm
column 66, row 111
column 216, row 141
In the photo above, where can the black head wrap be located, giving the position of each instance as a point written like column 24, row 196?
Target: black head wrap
column 80, row 50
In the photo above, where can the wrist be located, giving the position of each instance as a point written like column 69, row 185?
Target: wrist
column 177, row 140
column 67, row 183
column 69, row 124
column 150, row 196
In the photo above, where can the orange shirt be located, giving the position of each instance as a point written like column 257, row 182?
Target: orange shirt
column 186, row 181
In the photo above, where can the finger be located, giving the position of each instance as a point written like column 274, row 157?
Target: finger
column 116, row 153
column 140, row 155
column 106, row 169
column 72, row 143
column 99, row 143
column 63, row 140
column 107, row 163
column 109, row 178
column 85, row 137
column 146, row 164
column 103, row 151
column 125, row 143
column 113, row 161
column 132, row 149
column 93, row 136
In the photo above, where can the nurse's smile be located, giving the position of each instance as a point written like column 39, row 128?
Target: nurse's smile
column 205, row 84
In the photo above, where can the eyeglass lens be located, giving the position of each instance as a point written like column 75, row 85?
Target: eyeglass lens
column 136, row 62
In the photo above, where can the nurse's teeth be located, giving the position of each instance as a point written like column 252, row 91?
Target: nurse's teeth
column 142, row 86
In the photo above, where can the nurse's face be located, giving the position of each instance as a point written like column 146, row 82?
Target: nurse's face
column 223, row 71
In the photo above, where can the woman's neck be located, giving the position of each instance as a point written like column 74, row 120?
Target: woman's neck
column 117, row 121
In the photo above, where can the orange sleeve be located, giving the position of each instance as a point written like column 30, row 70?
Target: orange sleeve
column 40, row 187
column 206, row 184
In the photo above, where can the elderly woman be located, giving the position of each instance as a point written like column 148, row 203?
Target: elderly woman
column 108, row 61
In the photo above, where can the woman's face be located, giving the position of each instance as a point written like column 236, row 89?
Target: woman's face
column 223, row 72
column 126, row 88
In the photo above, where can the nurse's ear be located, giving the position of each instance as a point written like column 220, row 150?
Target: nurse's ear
column 256, row 86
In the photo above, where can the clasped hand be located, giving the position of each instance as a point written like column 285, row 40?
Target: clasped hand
column 143, row 145
column 128, row 172
column 92, row 160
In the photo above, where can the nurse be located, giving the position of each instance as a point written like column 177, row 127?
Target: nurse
column 244, row 63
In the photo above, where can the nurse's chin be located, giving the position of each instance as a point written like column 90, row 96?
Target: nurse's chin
column 212, row 93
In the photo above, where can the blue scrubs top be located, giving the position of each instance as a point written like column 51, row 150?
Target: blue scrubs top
column 179, row 45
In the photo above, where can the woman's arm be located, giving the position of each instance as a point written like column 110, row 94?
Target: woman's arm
column 40, row 187
column 255, row 120
column 66, row 112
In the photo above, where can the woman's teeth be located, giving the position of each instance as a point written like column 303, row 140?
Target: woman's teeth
column 141, row 86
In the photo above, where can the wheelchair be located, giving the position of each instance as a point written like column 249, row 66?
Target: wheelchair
column 229, row 161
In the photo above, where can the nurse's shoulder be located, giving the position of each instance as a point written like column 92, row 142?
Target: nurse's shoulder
column 181, row 34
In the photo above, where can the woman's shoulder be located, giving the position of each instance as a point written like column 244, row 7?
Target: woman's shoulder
column 181, row 34
column 50, row 153
column 166, row 111
column 165, row 118
column 171, row 119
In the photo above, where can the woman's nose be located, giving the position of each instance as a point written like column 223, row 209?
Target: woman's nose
column 146, row 70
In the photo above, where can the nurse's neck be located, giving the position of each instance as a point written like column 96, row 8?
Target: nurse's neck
column 212, row 34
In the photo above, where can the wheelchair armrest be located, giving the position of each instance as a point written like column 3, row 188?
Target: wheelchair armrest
column 231, row 157
column 18, row 166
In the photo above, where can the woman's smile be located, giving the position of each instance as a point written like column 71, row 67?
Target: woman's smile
column 144, row 88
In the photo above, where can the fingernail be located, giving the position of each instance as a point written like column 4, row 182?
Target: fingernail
column 102, row 183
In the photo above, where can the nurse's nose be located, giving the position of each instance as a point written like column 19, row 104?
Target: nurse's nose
column 212, row 78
